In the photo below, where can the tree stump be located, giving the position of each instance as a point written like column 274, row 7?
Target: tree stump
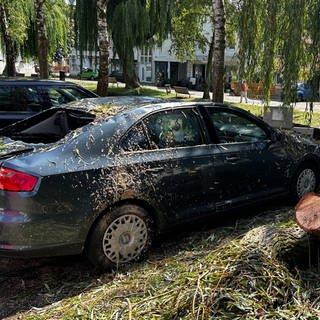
column 308, row 213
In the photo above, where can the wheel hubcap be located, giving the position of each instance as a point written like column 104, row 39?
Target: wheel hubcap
column 125, row 238
column 306, row 182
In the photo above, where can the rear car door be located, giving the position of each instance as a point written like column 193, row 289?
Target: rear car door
column 172, row 165
column 247, row 164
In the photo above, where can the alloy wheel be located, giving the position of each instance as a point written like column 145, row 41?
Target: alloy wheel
column 306, row 182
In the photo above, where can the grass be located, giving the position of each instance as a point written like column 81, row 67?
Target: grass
column 122, row 91
column 252, row 270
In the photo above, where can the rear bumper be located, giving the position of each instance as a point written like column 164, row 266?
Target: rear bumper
column 33, row 251
column 23, row 235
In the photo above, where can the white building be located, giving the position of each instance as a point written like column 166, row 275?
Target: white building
column 159, row 62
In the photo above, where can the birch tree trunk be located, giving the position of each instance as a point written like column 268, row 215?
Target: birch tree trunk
column 42, row 39
column 208, row 80
column 218, row 51
column 10, row 46
column 102, row 25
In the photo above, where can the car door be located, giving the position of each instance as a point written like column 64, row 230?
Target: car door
column 247, row 163
column 173, row 165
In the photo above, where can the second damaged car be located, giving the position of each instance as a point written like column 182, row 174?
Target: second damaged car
column 105, row 175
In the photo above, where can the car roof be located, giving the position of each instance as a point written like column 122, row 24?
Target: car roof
column 104, row 107
column 22, row 82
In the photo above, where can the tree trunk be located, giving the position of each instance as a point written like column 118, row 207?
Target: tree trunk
column 102, row 88
column 308, row 214
column 10, row 46
column 207, row 80
column 219, row 48
column 129, row 71
column 42, row 39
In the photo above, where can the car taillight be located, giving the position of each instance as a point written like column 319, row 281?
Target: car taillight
column 12, row 180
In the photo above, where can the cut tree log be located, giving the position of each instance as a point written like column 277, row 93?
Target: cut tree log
column 308, row 213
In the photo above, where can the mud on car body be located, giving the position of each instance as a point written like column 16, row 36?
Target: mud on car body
column 103, row 176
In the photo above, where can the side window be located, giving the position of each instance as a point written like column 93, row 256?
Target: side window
column 174, row 128
column 135, row 139
column 75, row 93
column 56, row 97
column 19, row 98
column 6, row 99
column 30, row 99
column 231, row 127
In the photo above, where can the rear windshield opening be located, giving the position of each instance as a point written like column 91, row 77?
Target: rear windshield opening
column 48, row 127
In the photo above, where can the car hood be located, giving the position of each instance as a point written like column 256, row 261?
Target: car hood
column 299, row 144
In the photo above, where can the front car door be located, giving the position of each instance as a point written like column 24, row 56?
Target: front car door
column 247, row 164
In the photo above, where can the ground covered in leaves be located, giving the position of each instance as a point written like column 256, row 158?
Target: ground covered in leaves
column 260, row 266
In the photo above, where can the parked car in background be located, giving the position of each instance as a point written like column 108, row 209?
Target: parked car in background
column 103, row 176
column 118, row 75
column 302, row 92
column 20, row 99
column 88, row 74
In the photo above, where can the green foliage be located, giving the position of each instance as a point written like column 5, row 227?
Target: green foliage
column 22, row 25
column 19, row 12
column 57, row 24
column 280, row 37
column 188, row 20
column 292, row 34
column 86, row 17
column 249, row 21
column 132, row 23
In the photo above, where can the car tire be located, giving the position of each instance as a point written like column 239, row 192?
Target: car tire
column 305, row 181
column 120, row 237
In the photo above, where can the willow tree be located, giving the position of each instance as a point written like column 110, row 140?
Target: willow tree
column 42, row 39
column 137, row 23
column 188, row 20
column 273, row 38
column 48, row 30
column 92, row 22
column 313, row 46
column 14, row 22
column 131, row 23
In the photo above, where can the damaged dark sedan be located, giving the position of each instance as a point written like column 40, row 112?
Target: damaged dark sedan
column 104, row 178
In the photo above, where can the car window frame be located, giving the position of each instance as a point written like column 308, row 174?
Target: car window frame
column 212, row 130
column 125, row 136
column 200, row 120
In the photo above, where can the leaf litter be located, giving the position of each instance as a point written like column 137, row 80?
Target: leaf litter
column 262, row 267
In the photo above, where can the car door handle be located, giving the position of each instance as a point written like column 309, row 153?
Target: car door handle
column 232, row 158
column 154, row 170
